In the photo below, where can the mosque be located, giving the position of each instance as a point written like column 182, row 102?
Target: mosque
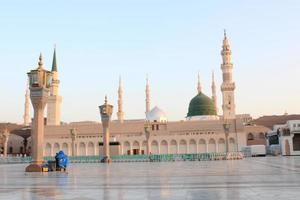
column 202, row 129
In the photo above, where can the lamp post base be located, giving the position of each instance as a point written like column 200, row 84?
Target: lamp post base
column 34, row 168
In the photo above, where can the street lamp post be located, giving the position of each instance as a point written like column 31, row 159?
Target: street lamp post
column 5, row 137
column 39, row 84
column 73, row 133
column 106, row 112
column 226, row 126
column 25, row 143
column 147, row 133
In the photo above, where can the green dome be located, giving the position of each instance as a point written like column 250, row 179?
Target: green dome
column 201, row 105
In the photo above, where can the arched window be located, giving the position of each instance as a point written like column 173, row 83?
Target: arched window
column 21, row 150
column 144, row 147
column 182, row 147
column 211, row 145
column 192, row 146
column 82, row 149
column 164, row 147
column 261, row 136
column 65, row 148
column 56, row 148
column 221, row 145
column 11, row 149
column 126, row 148
column 136, row 148
column 202, row 146
column 250, row 136
column 48, row 150
column 154, row 147
column 173, row 147
column 91, row 149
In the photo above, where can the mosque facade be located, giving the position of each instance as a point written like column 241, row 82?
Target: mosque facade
column 203, row 130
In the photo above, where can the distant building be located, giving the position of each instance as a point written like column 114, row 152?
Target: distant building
column 271, row 120
column 287, row 136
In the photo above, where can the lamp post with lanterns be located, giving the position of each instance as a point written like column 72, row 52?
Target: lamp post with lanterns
column 39, row 85
column 106, row 112
column 226, row 126
column 147, row 127
column 5, row 135
column 73, row 133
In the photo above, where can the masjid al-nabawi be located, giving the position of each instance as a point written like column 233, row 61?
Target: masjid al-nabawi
column 201, row 131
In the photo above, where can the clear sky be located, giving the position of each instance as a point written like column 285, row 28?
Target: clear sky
column 170, row 40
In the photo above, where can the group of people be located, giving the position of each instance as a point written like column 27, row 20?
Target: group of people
column 61, row 162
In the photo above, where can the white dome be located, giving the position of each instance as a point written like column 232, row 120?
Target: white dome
column 156, row 115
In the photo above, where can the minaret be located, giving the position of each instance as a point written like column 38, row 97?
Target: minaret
column 228, row 85
column 54, row 101
column 213, row 92
column 147, row 95
column 199, row 85
column 27, row 107
column 120, row 112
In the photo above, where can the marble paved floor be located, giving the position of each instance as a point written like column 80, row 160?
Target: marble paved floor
column 253, row 178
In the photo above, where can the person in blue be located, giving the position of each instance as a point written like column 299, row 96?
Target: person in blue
column 62, row 160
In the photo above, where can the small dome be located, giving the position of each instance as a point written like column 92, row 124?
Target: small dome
column 156, row 115
column 201, row 105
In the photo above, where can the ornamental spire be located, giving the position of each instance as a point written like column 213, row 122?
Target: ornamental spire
column 226, row 45
column 226, row 52
column 199, row 84
column 26, row 116
column 40, row 63
column 105, row 100
column 54, row 65
column 147, row 95
column 213, row 92
column 213, row 77
column 120, row 112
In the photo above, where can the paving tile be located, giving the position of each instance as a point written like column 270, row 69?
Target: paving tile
column 252, row 178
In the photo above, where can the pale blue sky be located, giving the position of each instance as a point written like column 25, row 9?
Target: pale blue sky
column 170, row 40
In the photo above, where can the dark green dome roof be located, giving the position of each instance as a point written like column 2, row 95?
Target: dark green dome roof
column 201, row 105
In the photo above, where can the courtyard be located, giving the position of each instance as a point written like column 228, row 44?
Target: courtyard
column 251, row 178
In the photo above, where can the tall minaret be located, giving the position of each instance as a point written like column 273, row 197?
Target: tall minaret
column 27, row 107
column 120, row 112
column 147, row 95
column 54, row 101
column 199, row 84
column 228, row 85
column 213, row 92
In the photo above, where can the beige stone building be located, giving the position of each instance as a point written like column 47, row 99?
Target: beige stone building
column 202, row 129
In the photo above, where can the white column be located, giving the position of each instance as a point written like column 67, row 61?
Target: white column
column 86, row 148
column 6, row 136
column 168, row 147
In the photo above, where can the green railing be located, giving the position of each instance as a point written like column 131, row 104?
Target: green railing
column 173, row 157
column 14, row 160
column 79, row 159
column 134, row 158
